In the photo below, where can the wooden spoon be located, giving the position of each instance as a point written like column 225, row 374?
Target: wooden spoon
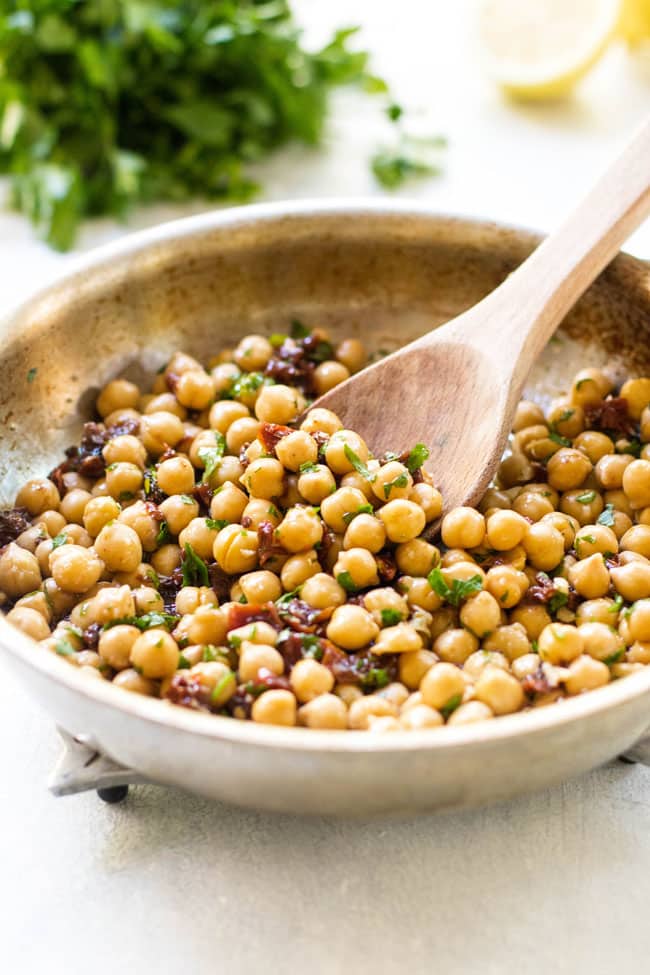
column 456, row 388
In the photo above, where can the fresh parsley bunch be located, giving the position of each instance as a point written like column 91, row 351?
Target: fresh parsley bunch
column 108, row 103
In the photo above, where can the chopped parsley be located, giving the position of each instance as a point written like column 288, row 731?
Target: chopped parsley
column 216, row 524
column 193, row 568
column 607, row 516
column 308, row 468
column 399, row 482
column 58, row 540
column 145, row 622
column 617, row 605
column 358, row 464
column 375, row 679
column 460, row 589
column 417, row 457
column 390, row 617
column 186, row 499
column 221, row 685
column 589, row 539
column 31, row 375
column 346, row 582
column 183, row 662
column 363, row 509
column 211, row 457
column 273, row 511
column 587, row 497
column 64, row 648
column 556, row 438
column 451, row 705
column 298, row 330
column 557, row 601
column 164, row 535
column 633, row 447
column 614, row 657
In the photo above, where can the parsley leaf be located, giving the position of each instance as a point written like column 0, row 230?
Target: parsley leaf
column 556, row 438
column 557, row 601
column 298, row 330
column 31, row 375
column 164, row 534
column 145, row 622
column 358, row 464
column 398, row 482
column 451, row 705
column 58, row 540
column 607, row 516
column 390, row 617
column 193, row 569
column 586, row 498
column 363, row 509
column 417, row 457
column 459, row 590
column 216, row 524
column 212, row 456
column 375, row 679
column 346, row 582
column 308, row 467
column 221, row 686
column 64, row 648
column 614, row 657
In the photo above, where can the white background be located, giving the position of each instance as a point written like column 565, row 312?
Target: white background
column 167, row 882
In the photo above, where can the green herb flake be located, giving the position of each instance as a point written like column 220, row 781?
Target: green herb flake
column 209, row 654
column 607, row 516
column 308, row 468
column 186, row 499
column 459, row 590
column 586, row 498
column 390, row 617
column 31, row 375
column 556, row 438
column 276, row 339
column 164, row 535
column 193, row 569
column 64, row 648
column 148, row 621
column 614, row 657
column 59, row 540
column 298, row 330
column 451, row 705
column 589, row 539
column 617, row 605
column 216, row 524
column 183, row 662
column 221, row 686
column 346, row 582
column 417, row 457
column 581, row 382
column 557, row 601
column 375, row 679
column 399, row 482
column 273, row 511
column 211, row 457
column 358, row 464
column 363, row 509
column 633, row 447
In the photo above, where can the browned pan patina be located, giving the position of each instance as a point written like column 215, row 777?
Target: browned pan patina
column 384, row 272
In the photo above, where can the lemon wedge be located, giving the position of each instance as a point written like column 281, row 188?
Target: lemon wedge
column 538, row 49
column 635, row 22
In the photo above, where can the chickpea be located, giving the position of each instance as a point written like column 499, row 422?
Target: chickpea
column 164, row 402
column 321, row 420
column 416, row 557
column 175, row 475
column 297, row 569
column 123, row 480
column 73, row 505
column 30, row 621
column 264, row 478
column 505, row 529
column 216, row 677
column 636, row 483
column 299, row 530
column 568, row 468
column 116, row 644
column 309, row 679
column 364, row 709
column 470, row 713
column 352, row 354
column 501, row 691
column 200, row 536
column 159, row 431
column 413, row 665
column 343, row 450
column 278, row 404
column 590, row 577
column 351, row 627
column 98, row 512
column 544, row 546
column 166, row 559
column 454, row 646
column 463, row 528
column 329, row 374
column 322, row 591
column 442, row 687
column 325, row 712
column 639, row 620
column 392, row 481
column 515, row 469
column 565, row 419
column 585, row 674
column 428, row 498
column 610, row 469
column 481, row 614
column 112, row 603
column 75, row 568
column 118, row 394
column 638, row 653
column 155, row 654
column 358, row 566
column 119, row 547
column 632, row 580
column 253, row 353
column 38, row 495
column 179, row 510
column 401, row 638
column 637, row 394
column 296, row 450
column 506, row 585
column 255, row 656
column 125, row 448
column 419, row 593
column 367, row 532
column 533, row 618
column 589, row 386
column 386, row 606
column 403, row 520
column 275, row 707
column 344, row 501
column 527, row 414
column 194, row 389
column 131, row 680
column 532, row 506
column 260, row 587
column 594, row 445
column 477, row 662
column 316, row 484
column 637, row 539
column 36, row 600
column 511, row 640
column 559, row 643
column 601, row 642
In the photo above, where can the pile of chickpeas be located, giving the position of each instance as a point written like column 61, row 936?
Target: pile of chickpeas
column 213, row 545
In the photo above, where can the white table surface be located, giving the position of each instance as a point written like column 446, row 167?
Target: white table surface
column 167, row 882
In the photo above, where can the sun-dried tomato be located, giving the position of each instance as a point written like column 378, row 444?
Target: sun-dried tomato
column 386, row 565
column 186, row 690
column 13, row 522
column 610, row 416
column 268, row 548
column 220, row 582
column 241, row 614
column 90, row 636
column 271, row 434
column 302, row 617
column 543, row 590
column 169, row 587
column 291, row 365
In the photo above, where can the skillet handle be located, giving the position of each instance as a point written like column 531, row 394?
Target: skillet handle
column 639, row 752
column 81, row 768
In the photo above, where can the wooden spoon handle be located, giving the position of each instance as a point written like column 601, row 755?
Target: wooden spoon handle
column 527, row 308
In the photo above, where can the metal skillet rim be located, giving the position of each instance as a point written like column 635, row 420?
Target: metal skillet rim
column 609, row 698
